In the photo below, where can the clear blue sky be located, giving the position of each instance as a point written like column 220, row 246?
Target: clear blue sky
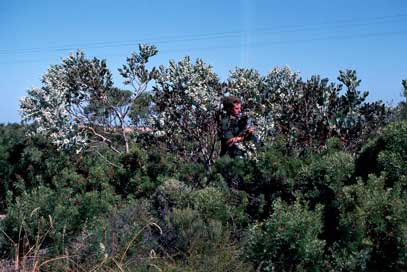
column 312, row 37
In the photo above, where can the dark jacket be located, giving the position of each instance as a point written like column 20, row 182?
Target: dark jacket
column 231, row 126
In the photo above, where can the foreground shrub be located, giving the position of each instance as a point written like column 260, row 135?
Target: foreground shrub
column 191, row 219
column 122, row 238
column 189, row 233
column 288, row 240
column 373, row 222
column 54, row 217
column 26, row 162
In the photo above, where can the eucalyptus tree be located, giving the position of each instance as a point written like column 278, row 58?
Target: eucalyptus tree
column 307, row 113
column 186, row 98
column 78, row 107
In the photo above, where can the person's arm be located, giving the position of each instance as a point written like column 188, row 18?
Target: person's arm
column 236, row 139
column 233, row 140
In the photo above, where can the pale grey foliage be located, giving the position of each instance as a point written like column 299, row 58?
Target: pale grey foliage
column 187, row 97
column 77, row 106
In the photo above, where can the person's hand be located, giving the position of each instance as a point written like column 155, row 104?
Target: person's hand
column 249, row 132
column 234, row 140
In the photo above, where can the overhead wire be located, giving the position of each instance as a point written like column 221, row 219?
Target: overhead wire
column 209, row 36
column 206, row 36
column 262, row 44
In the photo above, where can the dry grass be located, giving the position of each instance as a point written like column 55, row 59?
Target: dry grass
column 34, row 258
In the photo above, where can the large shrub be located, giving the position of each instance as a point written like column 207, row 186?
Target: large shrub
column 140, row 172
column 186, row 98
column 386, row 152
column 373, row 225
column 50, row 218
column 288, row 240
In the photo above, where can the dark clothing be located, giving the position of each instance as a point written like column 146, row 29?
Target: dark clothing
column 231, row 126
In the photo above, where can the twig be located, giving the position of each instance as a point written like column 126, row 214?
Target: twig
column 130, row 243
column 60, row 258
column 106, row 160
column 99, row 265
column 16, row 266
column 117, row 264
column 8, row 237
column 155, row 266
column 103, row 138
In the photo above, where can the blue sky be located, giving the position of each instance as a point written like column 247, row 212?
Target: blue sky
column 312, row 37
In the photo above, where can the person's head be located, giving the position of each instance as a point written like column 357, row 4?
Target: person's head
column 232, row 105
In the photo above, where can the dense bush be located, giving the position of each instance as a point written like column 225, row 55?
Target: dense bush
column 26, row 162
column 52, row 217
column 386, row 152
column 127, row 234
column 140, row 172
column 373, row 225
column 288, row 240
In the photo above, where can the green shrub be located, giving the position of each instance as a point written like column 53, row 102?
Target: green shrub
column 188, row 232
column 142, row 171
column 170, row 194
column 211, row 204
column 26, row 162
column 393, row 159
column 193, row 221
column 387, row 152
column 373, row 221
column 193, row 174
column 288, row 240
column 276, row 168
column 274, row 174
column 126, row 234
column 234, row 172
column 54, row 215
column 260, row 181
column 320, row 181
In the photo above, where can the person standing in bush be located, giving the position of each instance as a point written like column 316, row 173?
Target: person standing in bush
column 234, row 128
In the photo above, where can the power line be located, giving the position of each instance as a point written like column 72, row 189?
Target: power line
column 267, row 44
column 327, row 38
column 208, row 36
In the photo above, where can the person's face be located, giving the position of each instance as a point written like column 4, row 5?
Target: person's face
column 236, row 109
